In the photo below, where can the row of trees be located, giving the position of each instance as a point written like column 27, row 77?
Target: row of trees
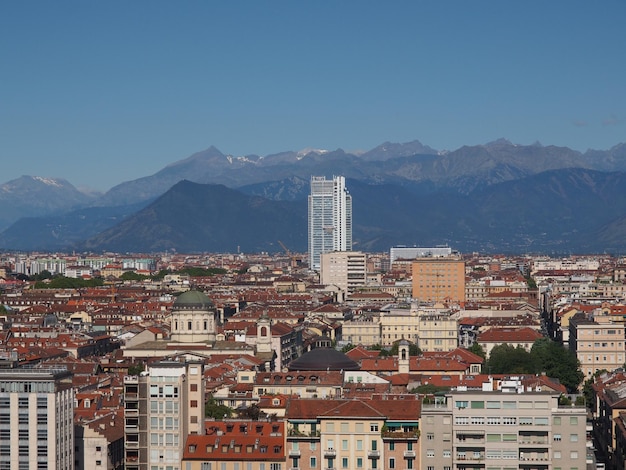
column 46, row 280
column 545, row 356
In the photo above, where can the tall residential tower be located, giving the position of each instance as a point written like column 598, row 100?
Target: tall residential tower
column 330, row 218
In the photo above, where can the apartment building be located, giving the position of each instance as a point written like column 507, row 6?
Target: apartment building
column 377, row 433
column 439, row 279
column 363, row 330
column 598, row 342
column 344, row 269
column 36, row 419
column 511, row 428
column 237, row 445
column 162, row 406
column 431, row 329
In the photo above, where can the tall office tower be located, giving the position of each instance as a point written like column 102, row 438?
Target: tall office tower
column 162, row 406
column 36, row 419
column 330, row 218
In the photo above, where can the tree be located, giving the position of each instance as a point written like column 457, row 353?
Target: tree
column 505, row 359
column 477, row 349
column 348, row 347
column 213, row 410
column 557, row 362
column 136, row 369
column 132, row 276
column 429, row 389
column 413, row 349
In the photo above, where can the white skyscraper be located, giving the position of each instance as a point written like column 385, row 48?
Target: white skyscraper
column 330, row 218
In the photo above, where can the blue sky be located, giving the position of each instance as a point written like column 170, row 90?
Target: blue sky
column 105, row 92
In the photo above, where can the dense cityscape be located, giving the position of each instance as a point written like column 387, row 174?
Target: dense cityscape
column 415, row 358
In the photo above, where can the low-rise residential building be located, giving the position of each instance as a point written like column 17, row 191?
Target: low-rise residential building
column 380, row 432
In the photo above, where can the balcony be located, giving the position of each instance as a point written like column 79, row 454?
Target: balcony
column 132, row 444
column 330, row 453
column 401, row 435
column 373, row 454
column 131, row 412
column 409, row 454
column 294, row 453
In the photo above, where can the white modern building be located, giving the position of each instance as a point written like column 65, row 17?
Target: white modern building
column 412, row 252
column 330, row 218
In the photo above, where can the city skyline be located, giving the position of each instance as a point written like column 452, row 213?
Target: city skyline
column 101, row 94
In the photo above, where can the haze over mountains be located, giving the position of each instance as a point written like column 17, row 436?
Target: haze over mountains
column 497, row 197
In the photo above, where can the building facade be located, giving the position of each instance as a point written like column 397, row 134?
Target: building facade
column 439, row 279
column 598, row 343
column 330, row 218
column 511, row 428
column 36, row 419
column 162, row 406
column 344, row 269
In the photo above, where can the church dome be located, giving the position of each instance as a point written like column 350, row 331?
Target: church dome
column 193, row 299
column 323, row 359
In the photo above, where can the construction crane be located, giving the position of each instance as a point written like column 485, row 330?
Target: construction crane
column 292, row 256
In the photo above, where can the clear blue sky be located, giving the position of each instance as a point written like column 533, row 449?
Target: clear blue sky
column 105, row 92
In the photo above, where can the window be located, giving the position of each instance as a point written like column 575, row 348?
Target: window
column 573, row 437
column 556, row 454
column 344, row 462
column 556, row 420
column 344, row 444
column 430, row 436
column 478, row 404
column 392, row 463
column 573, row 420
column 313, row 462
column 194, row 404
column 557, row 437
column 359, row 462
column 447, row 453
column 430, row 453
column 573, row 454
column 374, row 427
column 493, row 405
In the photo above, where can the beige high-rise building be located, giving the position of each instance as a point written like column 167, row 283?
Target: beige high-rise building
column 439, row 279
column 598, row 343
column 501, row 430
column 344, row 269
column 162, row 406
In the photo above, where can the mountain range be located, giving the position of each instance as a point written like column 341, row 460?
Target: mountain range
column 497, row 197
